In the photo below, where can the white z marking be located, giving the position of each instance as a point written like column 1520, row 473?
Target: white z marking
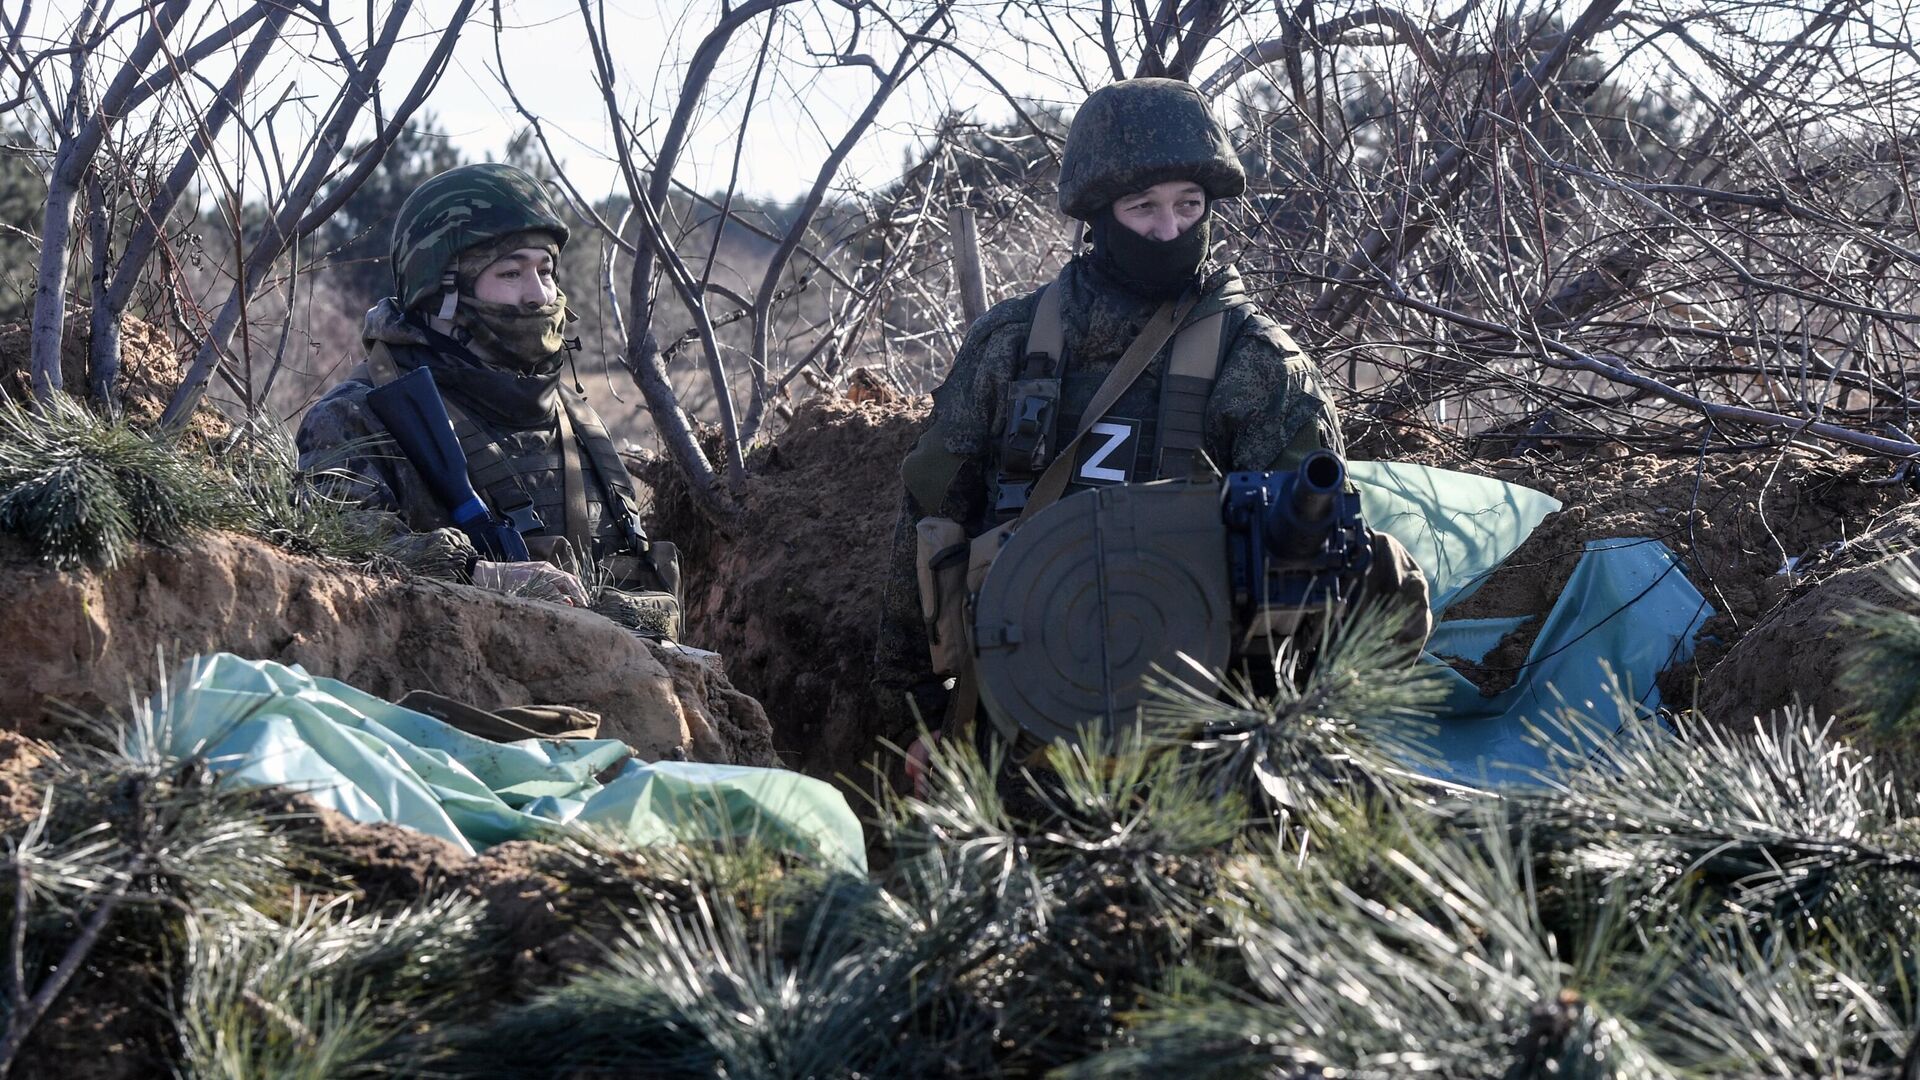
column 1116, row 437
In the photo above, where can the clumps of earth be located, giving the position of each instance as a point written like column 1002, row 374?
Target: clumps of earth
column 151, row 367
column 793, row 598
column 1752, row 530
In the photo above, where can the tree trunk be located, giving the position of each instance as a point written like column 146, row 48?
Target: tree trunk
column 152, row 223
column 103, row 350
column 967, row 268
column 70, row 165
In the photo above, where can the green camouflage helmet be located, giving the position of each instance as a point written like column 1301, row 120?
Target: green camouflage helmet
column 459, row 209
column 1132, row 135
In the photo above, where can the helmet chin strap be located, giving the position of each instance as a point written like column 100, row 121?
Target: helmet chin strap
column 450, row 297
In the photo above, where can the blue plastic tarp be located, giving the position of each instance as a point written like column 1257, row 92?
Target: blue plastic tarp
column 1457, row 526
column 259, row 723
column 1627, row 613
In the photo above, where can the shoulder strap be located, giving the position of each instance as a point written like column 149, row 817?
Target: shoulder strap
column 623, row 500
column 1183, row 396
column 573, row 483
column 1160, row 326
column 1046, row 335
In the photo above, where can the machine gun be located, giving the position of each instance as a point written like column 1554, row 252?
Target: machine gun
column 1296, row 545
column 1097, row 591
column 416, row 417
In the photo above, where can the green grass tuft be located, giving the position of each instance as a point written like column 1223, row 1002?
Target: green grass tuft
column 82, row 491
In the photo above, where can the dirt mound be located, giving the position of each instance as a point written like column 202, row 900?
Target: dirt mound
column 1790, row 657
column 89, row 640
column 1735, row 520
column 152, row 367
column 793, row 601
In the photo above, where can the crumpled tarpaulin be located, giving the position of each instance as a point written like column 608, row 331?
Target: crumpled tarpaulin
column 262, row 723
column 1457, row 526
column 1627, row 613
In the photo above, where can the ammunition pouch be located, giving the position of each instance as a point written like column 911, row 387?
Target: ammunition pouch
column 950, row 569
column 941, row 564
column 986, row 548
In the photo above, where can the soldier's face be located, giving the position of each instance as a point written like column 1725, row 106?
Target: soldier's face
column 1163, row 211
column 523, row 278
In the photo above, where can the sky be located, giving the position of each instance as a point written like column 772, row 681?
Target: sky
column 801, row 106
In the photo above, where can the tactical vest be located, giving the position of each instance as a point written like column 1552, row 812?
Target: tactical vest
column 1118, row 449
column 539, row 483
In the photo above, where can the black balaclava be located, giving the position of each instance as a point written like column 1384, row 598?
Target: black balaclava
column 1157, row 269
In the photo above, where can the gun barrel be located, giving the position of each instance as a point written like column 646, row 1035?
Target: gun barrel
column 1315, row 484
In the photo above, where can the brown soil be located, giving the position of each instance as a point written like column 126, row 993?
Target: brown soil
column 152, row 367
column 89, row 640
column 1734, row 520
column 793, row 601
column 19, row 757
column 1792, row 655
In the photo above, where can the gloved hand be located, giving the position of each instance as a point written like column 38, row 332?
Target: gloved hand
column 538, row 580
column 441, row 553
column 1395, row 580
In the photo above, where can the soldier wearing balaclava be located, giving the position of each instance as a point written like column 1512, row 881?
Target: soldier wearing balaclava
column 1144, row 166
column 477, row 301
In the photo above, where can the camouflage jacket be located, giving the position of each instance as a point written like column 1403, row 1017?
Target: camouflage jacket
column 1267, row 410
column 340, row 437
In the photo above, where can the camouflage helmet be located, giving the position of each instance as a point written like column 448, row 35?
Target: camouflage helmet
column 459, row 209
column 1132, row 135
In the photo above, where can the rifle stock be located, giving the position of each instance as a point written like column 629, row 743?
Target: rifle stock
column 416, row 417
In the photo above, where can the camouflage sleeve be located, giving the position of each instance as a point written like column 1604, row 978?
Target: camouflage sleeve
column 945, row 475
column 946, row 472
column 900, row 653
column 1268, row 408
column 342, row 450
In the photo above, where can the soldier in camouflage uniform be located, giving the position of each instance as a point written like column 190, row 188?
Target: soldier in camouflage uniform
column 1145, row 161
column 476, row 302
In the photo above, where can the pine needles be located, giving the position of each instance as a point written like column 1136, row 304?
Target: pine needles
column 269, row 496
column 1251, row 888
column 323, row 994
column 83, row 491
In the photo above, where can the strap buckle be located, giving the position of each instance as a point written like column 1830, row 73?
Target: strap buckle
column 523, row 517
